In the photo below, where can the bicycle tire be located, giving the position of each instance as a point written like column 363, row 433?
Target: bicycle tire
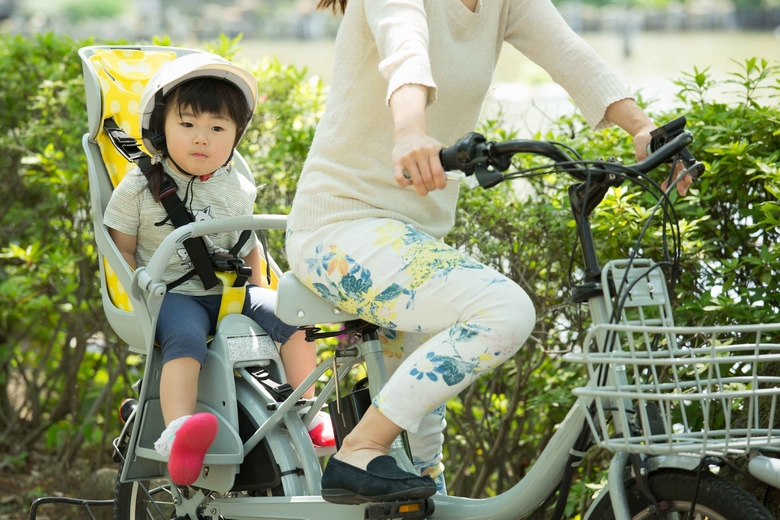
column 717, row 499
column 137, row 500
column 131, row 501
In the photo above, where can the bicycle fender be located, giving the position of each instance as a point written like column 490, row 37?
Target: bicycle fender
column 601, row 496
column 686, row 462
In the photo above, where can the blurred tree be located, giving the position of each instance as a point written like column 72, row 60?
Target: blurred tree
column 76, row 10
column 750, row 5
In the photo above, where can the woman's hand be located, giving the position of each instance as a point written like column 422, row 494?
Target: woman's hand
column 415, row 154
column 631, row 118
column 641, row 142
column 416, row 162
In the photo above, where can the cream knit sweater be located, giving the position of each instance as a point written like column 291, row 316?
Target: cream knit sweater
column 382, row 45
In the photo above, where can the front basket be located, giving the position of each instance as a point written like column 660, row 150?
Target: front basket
column 698, row 390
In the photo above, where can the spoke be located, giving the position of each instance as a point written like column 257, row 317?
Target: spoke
column 155, row 503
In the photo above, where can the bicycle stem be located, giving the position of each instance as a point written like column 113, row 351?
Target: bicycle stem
column 583, row 199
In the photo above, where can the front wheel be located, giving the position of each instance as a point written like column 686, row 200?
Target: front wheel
column 717, row 499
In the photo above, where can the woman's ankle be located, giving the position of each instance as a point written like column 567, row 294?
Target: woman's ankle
column 358, row 458
column 358, row 451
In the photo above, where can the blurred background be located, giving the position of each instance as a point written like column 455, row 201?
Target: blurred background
column 63, row 371
column 647, row 42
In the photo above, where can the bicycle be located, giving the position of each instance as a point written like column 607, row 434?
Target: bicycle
column 264, row 466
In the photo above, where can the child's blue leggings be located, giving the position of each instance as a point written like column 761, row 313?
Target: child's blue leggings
column 185, row 321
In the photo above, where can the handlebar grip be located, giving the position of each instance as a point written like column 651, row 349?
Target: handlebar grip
column 449, row 158
column 664, row 153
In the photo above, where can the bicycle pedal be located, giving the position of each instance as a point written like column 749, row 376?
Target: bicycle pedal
column 407, row 509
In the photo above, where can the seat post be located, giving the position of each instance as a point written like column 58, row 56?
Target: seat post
column 371, row 349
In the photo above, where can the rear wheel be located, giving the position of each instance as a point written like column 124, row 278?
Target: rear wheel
column 142, row 500
column 717, row 499
column 139, row 500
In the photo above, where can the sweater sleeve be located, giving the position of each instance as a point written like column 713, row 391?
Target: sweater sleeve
column 400, row 29
column 536, row 28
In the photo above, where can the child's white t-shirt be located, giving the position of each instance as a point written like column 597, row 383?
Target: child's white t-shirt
column 132, row 210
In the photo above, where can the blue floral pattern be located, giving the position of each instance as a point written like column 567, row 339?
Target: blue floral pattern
column 342, row 281
column 473, row 318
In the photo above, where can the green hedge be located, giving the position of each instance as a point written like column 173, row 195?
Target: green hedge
column 63, row 371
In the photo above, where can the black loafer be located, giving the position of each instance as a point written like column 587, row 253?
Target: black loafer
column 382, row 481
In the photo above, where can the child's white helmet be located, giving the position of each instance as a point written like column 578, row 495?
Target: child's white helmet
column 190, row 66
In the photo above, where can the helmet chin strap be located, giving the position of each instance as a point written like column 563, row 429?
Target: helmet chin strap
column 200, row 177
column 179, row 168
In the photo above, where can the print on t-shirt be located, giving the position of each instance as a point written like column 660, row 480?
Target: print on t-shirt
column 200, row 215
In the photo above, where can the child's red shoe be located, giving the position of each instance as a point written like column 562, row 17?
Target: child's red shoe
column 192, row 441
column 321, row 430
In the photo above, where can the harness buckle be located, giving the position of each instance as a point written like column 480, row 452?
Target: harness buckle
column 232, row 264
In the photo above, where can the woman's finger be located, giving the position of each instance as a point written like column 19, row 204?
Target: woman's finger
column 400, row 175
column 417, row 181
column 437, row 170
column 423, row 166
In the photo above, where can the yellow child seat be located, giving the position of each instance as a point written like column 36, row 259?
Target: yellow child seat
column 115, row 77
column 114, row 80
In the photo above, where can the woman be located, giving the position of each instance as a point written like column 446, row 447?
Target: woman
column 373, row 204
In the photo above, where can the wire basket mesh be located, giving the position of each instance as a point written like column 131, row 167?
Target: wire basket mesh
column 703, row 390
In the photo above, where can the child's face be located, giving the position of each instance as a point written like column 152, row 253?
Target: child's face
column 199, row 144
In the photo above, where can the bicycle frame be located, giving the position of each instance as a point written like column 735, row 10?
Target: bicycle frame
column 283, row 428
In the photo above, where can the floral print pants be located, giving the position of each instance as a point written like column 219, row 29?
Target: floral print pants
column 447, row 319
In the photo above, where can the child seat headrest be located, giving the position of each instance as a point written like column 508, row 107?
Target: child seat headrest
column 118, row 77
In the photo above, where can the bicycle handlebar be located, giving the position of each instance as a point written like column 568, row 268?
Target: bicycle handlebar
column 474, row 154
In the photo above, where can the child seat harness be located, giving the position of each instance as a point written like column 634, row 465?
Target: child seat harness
column 204, row 264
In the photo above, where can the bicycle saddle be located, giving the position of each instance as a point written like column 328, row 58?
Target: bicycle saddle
column 298, row 305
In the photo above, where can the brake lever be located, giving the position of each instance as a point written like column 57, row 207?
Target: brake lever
column 663, row 134
column 469, row 182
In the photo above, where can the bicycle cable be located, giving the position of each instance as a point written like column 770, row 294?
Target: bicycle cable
column 670, row 229
column 624, row 290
